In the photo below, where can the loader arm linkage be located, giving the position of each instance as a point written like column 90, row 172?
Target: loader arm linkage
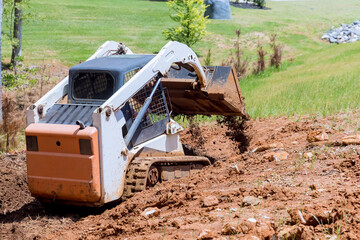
column 172, row 52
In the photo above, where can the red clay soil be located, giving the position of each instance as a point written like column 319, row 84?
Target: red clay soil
column 301, row 188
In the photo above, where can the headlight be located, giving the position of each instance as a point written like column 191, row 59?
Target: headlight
column 32, row 143
column 85, row 147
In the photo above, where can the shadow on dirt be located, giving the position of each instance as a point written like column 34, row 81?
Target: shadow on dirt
column 36, row 209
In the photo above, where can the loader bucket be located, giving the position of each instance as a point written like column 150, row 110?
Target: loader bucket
column 221, row 96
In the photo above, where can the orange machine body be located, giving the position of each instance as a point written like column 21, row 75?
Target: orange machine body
column 56, row 167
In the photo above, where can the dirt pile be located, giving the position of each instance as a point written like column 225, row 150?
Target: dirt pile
column 13, row 183
column 313, row 193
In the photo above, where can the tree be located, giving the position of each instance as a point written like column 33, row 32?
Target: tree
column 1, row 14
column 189, row 14
column 15, row 12
column 17, row 32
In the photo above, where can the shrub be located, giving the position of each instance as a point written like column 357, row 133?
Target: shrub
column 189, row 14
column 276, row 56
column 207, row 60
column 260, row 63
column 260, row 3
column 12, row 119
column 236, row 59
column 240, row 65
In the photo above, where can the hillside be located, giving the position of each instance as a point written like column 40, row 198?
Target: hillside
column 289, row 188
column 317, row 78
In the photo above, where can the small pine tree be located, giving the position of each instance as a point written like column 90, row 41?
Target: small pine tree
column 190, row 16
column 276, row 56
column 260, row 63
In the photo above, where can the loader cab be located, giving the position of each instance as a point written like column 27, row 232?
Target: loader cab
column 93, row 82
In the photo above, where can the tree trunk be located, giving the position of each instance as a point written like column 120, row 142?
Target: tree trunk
column 1, row 13
column 17, row 35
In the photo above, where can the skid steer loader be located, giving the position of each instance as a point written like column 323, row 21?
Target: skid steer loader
column 104, row 133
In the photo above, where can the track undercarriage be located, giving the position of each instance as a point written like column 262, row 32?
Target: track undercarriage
column 147, row 171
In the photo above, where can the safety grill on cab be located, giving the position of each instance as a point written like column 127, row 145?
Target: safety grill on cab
column 156, row 117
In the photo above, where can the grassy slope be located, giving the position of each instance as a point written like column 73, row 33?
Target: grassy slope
column 323, row 78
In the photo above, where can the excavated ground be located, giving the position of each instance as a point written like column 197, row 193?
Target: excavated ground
column 296, row 185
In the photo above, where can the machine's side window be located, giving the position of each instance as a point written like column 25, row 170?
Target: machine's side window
column 93, row 86
column 130, row 74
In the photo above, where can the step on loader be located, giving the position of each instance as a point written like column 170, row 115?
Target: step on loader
column 105, row 132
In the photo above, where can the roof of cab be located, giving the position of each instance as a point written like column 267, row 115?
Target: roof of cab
column 114, row 63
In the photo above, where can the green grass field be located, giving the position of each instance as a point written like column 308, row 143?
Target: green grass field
column 322, row 79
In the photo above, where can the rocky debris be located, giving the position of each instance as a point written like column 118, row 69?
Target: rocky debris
column 351, row 140
column 346, row 33
column 276, row 156
column 317, row 136
column 331, row 237
column 290, row 232
column 251, row 237
column 229, row 229
column 247, row 226
column 151, row 212
column 267, row 147
column 264, row 230
column 261, row 230
column 238, row 169
column 251, row 200
column 210, row 201
column 206, row 234
column 313, row 216
column 308, row 155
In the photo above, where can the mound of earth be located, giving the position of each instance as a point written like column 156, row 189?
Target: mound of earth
column 298, row 179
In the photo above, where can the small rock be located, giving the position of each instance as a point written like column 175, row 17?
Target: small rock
column 206, row 234
column 265, row 231
column 267, row 147
column 229, row 229
column 210, row 201
column 351, row 140
column 289, row 232
column 276, row 156
column 331, row 237
column 251, row 200
column 233, row 209
column 237, row 169
column 317, row 136
column 325, row 36
column 246, row 226
column 308, row 155
column 225, row 198
column 251, row 237
column 332, row 40
column 151, row 212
